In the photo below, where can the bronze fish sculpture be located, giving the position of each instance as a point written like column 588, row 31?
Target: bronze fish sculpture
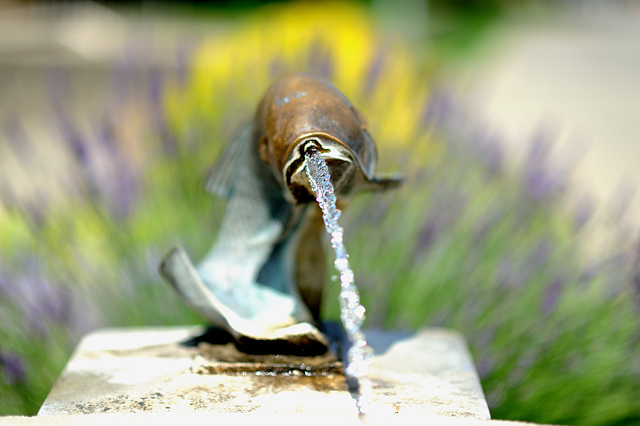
column 262, row 280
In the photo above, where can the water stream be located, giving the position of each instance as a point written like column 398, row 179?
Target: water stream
column 359, row 355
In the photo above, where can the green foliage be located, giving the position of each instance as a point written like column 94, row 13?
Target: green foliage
column 464, row 244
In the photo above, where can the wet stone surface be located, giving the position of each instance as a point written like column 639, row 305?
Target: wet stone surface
column 217, row 352
column 155, row 370
column 227, row 359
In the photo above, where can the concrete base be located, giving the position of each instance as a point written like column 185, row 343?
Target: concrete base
column 149, row 370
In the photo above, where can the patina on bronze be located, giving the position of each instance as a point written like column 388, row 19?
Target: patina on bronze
column 262, row 280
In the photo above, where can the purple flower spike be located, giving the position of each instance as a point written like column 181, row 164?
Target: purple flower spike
column 375, row 71
column 491, row 152
column 77, row 143
column 107, row 135
column 437, row 108
column 13, row 370
column 447, row 208
column 4, row 279
column 156, row 93
column 16, row 136
column 635, row 273
column 277, row 67
column 540, row 180
column 125, row 75
column 552, row 295
column 541, row 254
column 485, row 366
column 126, row 192
column 155, row 86
column 428, row 235
column 584, row 213
column 184, row 58
column 540, row 184
column 320, row 60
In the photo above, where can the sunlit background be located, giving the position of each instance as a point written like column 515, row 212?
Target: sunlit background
column 513, row 122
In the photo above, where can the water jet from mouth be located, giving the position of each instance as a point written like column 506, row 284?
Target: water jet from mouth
column 352, row 312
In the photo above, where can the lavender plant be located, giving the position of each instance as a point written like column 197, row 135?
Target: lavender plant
column 496, row 255
column 466, row 243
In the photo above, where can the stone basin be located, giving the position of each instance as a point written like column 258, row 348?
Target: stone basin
column 167, row 370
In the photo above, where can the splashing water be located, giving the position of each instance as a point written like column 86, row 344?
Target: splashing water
column 352, row 312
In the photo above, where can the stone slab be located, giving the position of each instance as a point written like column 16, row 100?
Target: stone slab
column 150, row 370
column 203, row 418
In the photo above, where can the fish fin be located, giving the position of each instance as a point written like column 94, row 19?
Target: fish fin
column 378, row 183
column 219, row 179
column 177, row 269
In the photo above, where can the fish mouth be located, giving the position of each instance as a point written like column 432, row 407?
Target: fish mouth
column 344, row 168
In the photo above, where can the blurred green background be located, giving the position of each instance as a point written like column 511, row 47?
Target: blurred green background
column 109, row 121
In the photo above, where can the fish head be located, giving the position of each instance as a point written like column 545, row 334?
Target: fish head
column 301, row 112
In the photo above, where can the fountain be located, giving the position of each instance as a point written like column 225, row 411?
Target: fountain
column 262, row 280
column 260, row 286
